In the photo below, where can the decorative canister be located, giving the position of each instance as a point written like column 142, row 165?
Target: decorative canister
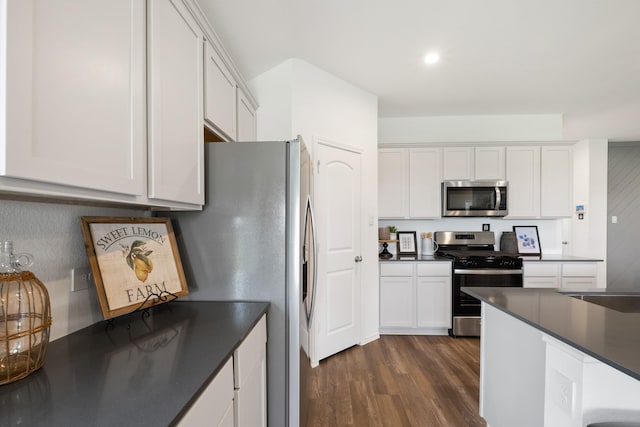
column 508, row 242
column 383, row 233
column 25, row 317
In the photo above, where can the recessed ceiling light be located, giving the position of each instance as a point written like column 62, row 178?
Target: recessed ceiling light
column 431, row 58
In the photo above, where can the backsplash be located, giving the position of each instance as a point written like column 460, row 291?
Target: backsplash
column 51, row 233
column 552, row 232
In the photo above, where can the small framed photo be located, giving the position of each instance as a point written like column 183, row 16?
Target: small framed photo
column 407, row 243
column 528, row 239
column 135, row 262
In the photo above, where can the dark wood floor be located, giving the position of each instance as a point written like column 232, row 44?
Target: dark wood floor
column 399, row 381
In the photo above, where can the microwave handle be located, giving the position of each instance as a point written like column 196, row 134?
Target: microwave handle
column 498, row 198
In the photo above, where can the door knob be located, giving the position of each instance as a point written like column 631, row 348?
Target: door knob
column 358, row 258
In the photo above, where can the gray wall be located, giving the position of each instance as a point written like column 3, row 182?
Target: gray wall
column 52, row 234
column 623, row 238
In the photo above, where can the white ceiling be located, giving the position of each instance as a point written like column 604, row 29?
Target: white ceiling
column 498, row 56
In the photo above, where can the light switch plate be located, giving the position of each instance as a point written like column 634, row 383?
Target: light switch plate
column 81, row 278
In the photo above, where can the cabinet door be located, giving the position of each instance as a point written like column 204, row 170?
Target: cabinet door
column 542, row 274
column 250, row 377
column 176, row 147
column 247, row 130
column 556, row 179
column 393, row 183
column 220, row 94
column 490, row 163
column 458, row 163
column 523, row 175
column 215, row 405
column 541, row 282
column 397, row 302
column 433, row 302
column 425, row 178
column 579, row 282
column 75, row 93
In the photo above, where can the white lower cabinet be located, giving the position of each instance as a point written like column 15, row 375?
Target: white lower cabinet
column 214, row 407
column 415, row 298
column 250, row 379
column 397, row 302
column 579, row 275
column 563, row 275
column 237, row 396
column 541, row 274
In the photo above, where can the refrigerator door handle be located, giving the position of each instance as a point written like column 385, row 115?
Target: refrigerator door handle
column 309, row 295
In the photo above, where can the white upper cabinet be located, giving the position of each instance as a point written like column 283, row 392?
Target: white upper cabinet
column 409, row 181
column 220, row 94
column 176, row 147
column 523, row 175
column 393, row 182
column 104, row 100
column 458, row 163
column 556, row 181
column 463, row 163
column 246, row 115
column 74, row 92
column 425, row 178
column 490, row 163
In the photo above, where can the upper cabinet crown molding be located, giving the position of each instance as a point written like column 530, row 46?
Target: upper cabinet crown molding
column 212, row 37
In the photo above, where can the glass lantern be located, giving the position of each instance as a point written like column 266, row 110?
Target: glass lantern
column 25, row 316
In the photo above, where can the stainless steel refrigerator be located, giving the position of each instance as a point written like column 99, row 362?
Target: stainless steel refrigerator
column 254, row 240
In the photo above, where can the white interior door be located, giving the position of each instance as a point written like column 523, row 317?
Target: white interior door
column 338, row 205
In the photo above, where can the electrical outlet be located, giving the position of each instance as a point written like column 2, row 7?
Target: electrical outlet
column 81, row 278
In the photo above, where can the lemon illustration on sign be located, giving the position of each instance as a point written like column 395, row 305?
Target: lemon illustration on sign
column 138, row 260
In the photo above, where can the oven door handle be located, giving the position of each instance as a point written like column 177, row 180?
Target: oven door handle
column 485, row 272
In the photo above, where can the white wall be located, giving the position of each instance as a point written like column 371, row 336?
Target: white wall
column 589, row 236
column 52, row 234
column 549, row 230
column 498, row 128
column 621, row 123
column 296, row 97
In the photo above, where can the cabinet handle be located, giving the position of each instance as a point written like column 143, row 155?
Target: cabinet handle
column 358, row 258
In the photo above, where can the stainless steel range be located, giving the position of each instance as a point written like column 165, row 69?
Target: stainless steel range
column 475, row 262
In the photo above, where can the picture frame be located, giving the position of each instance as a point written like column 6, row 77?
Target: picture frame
column 134, row 261
column 528, row 239
column 407, row 243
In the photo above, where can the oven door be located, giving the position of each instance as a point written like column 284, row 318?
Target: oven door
column 465, row 305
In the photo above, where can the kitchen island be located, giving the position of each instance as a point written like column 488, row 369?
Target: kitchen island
column 553, row 359
column 142, row 370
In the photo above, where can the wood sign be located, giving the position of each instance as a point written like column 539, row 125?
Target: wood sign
column 135, row 262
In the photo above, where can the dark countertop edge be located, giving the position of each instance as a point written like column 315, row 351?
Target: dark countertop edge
column 207, row 381
column 525, row 258
column 426, row 258
column 558, row 258
column 561, row 338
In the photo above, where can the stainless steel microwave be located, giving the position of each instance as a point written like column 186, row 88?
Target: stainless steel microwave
column 474, row 198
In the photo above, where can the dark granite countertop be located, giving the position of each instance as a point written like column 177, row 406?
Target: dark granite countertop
column 558, row 258
column 142, row 372
column 395, row 258
column 608, row 335
column 543, row 257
